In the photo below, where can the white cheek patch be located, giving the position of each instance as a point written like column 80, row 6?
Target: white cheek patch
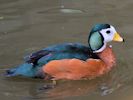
column 108, row 36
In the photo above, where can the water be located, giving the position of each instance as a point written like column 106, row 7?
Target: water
column 29, row 25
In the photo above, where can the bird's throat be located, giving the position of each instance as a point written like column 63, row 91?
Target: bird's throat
column 108, row 57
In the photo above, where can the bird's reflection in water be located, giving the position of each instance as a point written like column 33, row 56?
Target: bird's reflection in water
column 102, row 86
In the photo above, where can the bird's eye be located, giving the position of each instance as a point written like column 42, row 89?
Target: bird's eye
column 108, row 32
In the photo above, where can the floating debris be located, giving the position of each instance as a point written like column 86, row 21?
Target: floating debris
column 71, row 11
column 105, row 90
column 1, row 17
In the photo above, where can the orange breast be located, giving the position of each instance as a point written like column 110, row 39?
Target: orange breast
column 75, row 69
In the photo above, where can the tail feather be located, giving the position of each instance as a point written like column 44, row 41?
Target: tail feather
column 10, row 72
column 25, row 69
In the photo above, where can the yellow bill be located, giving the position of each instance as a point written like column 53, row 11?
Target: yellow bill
column 118, row 38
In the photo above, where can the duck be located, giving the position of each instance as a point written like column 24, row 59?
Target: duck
column 72, row 61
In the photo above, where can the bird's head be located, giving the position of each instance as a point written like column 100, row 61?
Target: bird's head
column 100, row 35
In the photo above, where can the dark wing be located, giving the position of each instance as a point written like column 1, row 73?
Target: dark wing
column 34, row 57
column 62, row 51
